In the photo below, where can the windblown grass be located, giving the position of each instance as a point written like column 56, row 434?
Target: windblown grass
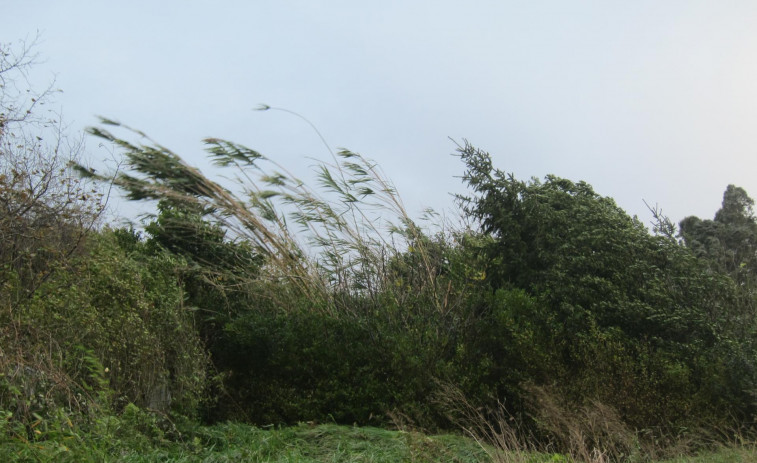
column 327, row 241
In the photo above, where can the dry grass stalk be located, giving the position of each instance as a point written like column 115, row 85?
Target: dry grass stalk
column 593, row 432
column 495, row 431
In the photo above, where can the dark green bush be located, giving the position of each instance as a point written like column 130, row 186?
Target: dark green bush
column 300, row 365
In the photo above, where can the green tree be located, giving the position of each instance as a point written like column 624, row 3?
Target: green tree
column 629, row 317
column 585, row 256
column 729, row 242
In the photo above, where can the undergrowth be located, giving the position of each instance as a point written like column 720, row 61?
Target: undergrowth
column 140, row 436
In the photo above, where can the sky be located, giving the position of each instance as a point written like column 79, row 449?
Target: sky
column 647, row 100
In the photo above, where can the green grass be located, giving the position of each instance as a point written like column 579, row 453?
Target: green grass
column 233, row 442
column 323, row 443
column 741, row 454
column 243, row 443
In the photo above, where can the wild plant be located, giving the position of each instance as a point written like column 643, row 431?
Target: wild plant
column 329, row 243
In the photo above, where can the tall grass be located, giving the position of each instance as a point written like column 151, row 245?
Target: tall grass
column 326, row 242
column 582, row 433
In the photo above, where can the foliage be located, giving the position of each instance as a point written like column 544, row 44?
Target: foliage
column 350, row 227
column 215, row 272
column 729, row 241
column 560, row 286
column 624, row 316
column 142, row 328
column 114, row 330
column 352, row 277
column 47, row 214
column 134, row 437
column 299, row 363
column 729, row 244
column 46, row 211
column 305, row 366
column 85, row 325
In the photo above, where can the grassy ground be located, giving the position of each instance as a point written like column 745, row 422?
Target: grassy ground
column 303, row 443
column 243, row 443
column 725, row 455
column 323, row 443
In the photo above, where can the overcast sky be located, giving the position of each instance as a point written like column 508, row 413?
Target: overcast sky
column 645, row 100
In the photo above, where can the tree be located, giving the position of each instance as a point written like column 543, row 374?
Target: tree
column 46, row 211
column 608, row 291
column 729, row 242
column 584, row 254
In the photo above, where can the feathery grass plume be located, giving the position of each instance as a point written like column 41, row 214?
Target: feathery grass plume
column 349, row 225
column 153, row 172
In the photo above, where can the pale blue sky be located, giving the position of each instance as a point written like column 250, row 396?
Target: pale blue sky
column 652, row 100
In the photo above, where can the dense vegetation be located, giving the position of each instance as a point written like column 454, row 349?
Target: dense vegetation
column 552, row 322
